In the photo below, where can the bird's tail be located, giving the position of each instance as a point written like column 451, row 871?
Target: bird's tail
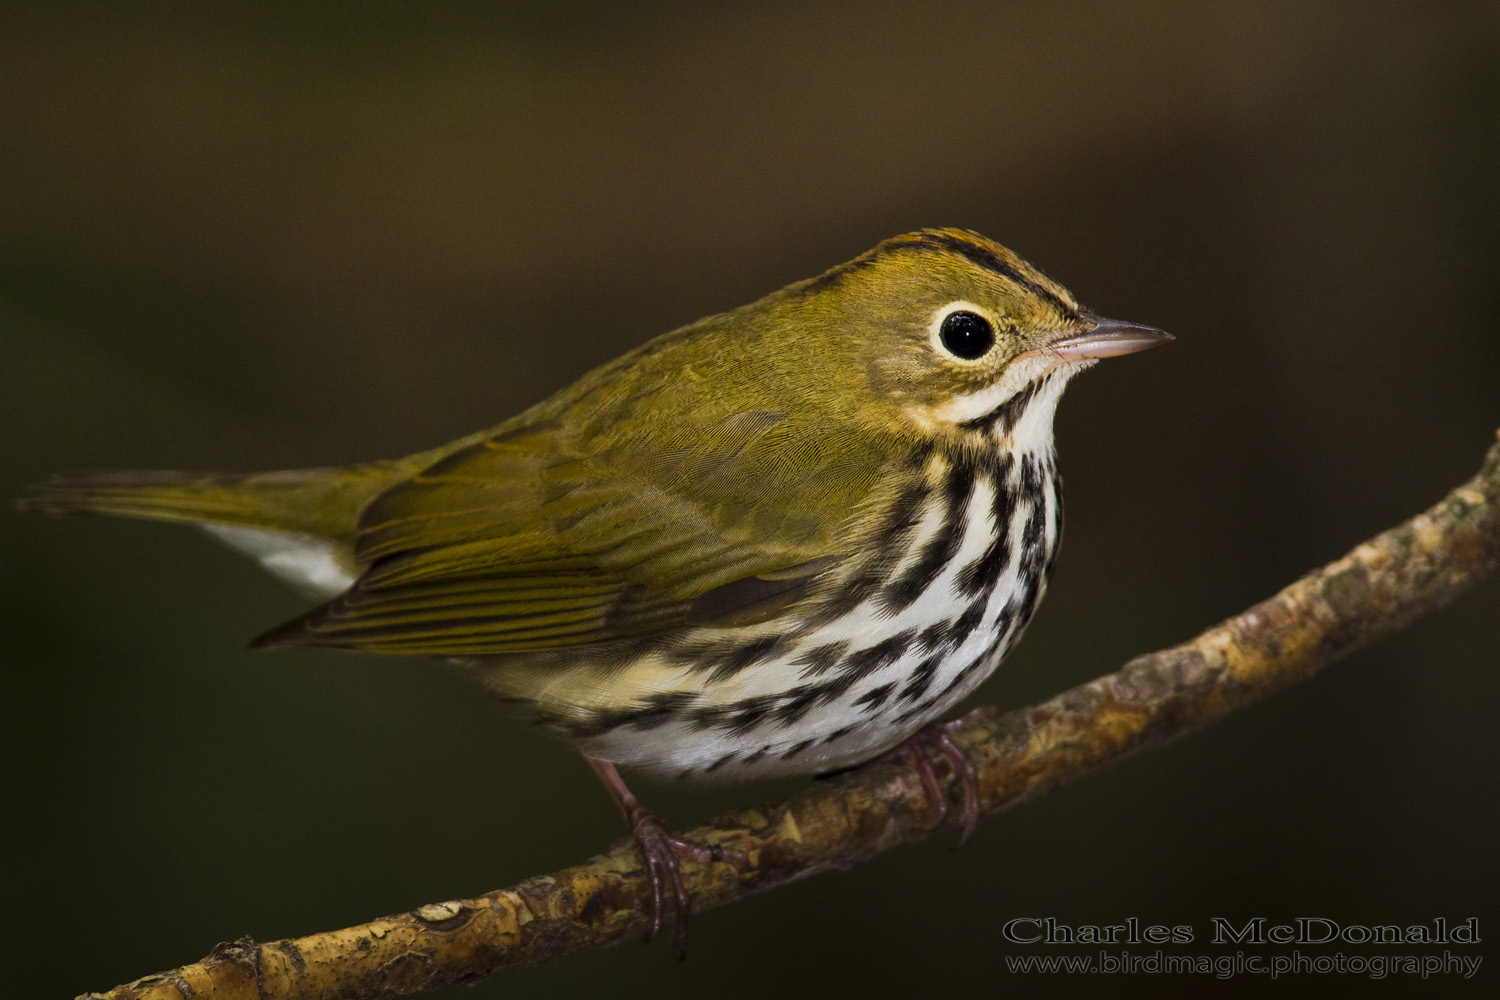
column 301, row 525
column 322, row 502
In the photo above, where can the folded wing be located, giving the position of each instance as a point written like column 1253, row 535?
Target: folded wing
column 526, row 540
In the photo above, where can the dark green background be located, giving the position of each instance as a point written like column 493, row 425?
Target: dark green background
column 312, row 233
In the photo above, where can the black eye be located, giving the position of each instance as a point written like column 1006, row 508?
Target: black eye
column 967, row 335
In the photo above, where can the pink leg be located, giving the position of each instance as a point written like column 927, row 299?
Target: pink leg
column 659, row 854
column 940, row 735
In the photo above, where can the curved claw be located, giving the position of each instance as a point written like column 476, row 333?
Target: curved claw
column 660, row 852
column 940, row 735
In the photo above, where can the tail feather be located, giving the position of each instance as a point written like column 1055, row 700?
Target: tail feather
column 300, row 525
column 166, row 496
column 321, row 502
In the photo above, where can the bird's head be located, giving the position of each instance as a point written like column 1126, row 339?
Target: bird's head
column 953, row 332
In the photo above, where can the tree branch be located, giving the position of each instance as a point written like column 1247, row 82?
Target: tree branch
column 1377, row 588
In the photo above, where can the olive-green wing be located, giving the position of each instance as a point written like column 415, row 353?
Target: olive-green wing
column 522, row 541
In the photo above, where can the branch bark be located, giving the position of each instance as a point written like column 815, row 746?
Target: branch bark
column 1375, row 589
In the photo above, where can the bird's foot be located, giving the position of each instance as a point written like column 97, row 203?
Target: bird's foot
column 660, row 856
column 940, row 736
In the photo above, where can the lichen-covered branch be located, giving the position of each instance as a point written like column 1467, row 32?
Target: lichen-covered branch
column 1378, row 587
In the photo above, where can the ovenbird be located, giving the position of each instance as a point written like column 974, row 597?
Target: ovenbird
column 783, row 539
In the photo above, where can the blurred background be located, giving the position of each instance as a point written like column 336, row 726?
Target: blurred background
column 303, row 234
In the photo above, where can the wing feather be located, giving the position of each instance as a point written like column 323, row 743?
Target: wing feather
column 532, row 539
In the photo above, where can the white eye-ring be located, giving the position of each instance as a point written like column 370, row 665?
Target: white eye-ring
column 963, row 332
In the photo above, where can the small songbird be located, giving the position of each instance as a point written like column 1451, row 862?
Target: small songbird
column 781, row 540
